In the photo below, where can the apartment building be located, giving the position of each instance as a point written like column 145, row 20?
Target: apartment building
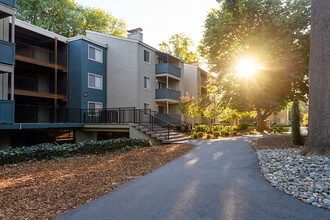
column 140, row 76
column 195, row 83
column 7, row 60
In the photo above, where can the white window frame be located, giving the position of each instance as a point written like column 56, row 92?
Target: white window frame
column 149, row 80
column 148, row 62
column 96, row 75
column 96, row 48
column 95, row 113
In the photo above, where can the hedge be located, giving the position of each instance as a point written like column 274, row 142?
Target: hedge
column 50, row 151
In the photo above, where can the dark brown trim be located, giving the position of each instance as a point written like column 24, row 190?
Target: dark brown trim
column 40, row 63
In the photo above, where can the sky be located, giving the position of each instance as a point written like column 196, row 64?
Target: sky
column 159, row 19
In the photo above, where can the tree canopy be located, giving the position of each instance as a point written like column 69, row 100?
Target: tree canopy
column 272, row 33
column 180, row 46
column 67, row 18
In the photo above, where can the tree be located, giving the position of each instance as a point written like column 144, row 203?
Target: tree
column 179, row 45
column 67, row 18
column 318, row 139
column 273, row 33
column 211, row 112
column 295, row 124
column 228, row 114
column 192, row 108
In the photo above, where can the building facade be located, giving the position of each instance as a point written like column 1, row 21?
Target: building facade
column 87, row 68
column 140, row 76
column 7, row 60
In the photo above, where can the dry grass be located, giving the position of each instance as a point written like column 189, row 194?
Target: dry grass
column 47, row 189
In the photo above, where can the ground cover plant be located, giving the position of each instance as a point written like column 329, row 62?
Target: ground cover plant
column 49, row 151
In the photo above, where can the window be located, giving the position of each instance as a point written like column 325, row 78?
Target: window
column 95, row 81
column 95, row 54
column 146, row 82
column 94, row 108
column 146, row 56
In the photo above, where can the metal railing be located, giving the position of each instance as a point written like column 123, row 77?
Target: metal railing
column 144, row 117
column 37, row 85
column 38, row 53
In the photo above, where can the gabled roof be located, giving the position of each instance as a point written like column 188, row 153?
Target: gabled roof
column 80, row 37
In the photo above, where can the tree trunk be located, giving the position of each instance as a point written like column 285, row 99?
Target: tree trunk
column 260, row 124
column 318, row 140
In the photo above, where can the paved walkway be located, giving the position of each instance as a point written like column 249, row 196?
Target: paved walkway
column 219, row 179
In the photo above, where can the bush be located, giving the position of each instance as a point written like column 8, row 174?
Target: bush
column 50, row 151
column 234, row 133
column 242, row 126
column 201, row 128
column 226, row 133
column 234, row 128
column 274, row 130
column 200, row 134
column 217, row 128
column 279, row 129
column 216, row 134
column 208, row 136
column 194, row 135
column 295, row 123
column 305, row 120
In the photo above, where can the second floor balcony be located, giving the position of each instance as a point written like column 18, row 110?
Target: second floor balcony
column 7, row 52
column 10, row 3
column 168, row 68
column 7, row 111
column 167, row 94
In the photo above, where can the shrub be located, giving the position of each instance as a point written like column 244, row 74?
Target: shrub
column 200, row 134
column 295, row 125
column 217, row 128
column 50, row 151
column 274, row 130
column 226, row 133
column 279, row 129
column 201, row 128
column 208, row 136
column 227, row 128
column 234, row 133
column 216, row 134
column 194, row 135
column 305, row 120
column 234, row 128
column 242, row 126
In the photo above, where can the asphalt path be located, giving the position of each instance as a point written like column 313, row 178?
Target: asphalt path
column 219, row 179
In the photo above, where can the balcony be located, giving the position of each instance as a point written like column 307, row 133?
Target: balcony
column 168, row 68
column 10, row 3
column 167, row 94
column 7, row 111
column 7, row 52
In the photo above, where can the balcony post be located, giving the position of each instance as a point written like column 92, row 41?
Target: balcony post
column 12, row 81
column 55, row 71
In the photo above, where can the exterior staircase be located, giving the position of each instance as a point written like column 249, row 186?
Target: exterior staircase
column 163, row 134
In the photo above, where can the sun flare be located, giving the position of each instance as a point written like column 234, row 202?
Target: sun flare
column 246, row 67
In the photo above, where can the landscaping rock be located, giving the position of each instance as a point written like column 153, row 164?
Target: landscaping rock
column 305, row 178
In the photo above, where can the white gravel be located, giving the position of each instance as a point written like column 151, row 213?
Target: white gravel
column 306, row 178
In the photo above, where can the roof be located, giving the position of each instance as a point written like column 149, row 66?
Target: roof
column 39, row 30
column 136, row 30
column 80, row 37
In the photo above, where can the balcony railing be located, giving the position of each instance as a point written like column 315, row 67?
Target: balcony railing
column 7, row 52
column 7, row 111
column 167, row 94
column 11, row 3
column 33, row 84
column 168, row 68
column 38, row 53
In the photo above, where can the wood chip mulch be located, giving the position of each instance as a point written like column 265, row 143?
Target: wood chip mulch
column 47, row 189
column 279, row 142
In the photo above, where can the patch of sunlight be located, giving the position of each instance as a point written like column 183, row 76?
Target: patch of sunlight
column 217, row 155
column 192, row 162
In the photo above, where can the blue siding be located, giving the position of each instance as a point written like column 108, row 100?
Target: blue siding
column 167, row 94
column 7, row 52
column 11, row 3
column 79, row 67
column 7, row 111
column 168, row 68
